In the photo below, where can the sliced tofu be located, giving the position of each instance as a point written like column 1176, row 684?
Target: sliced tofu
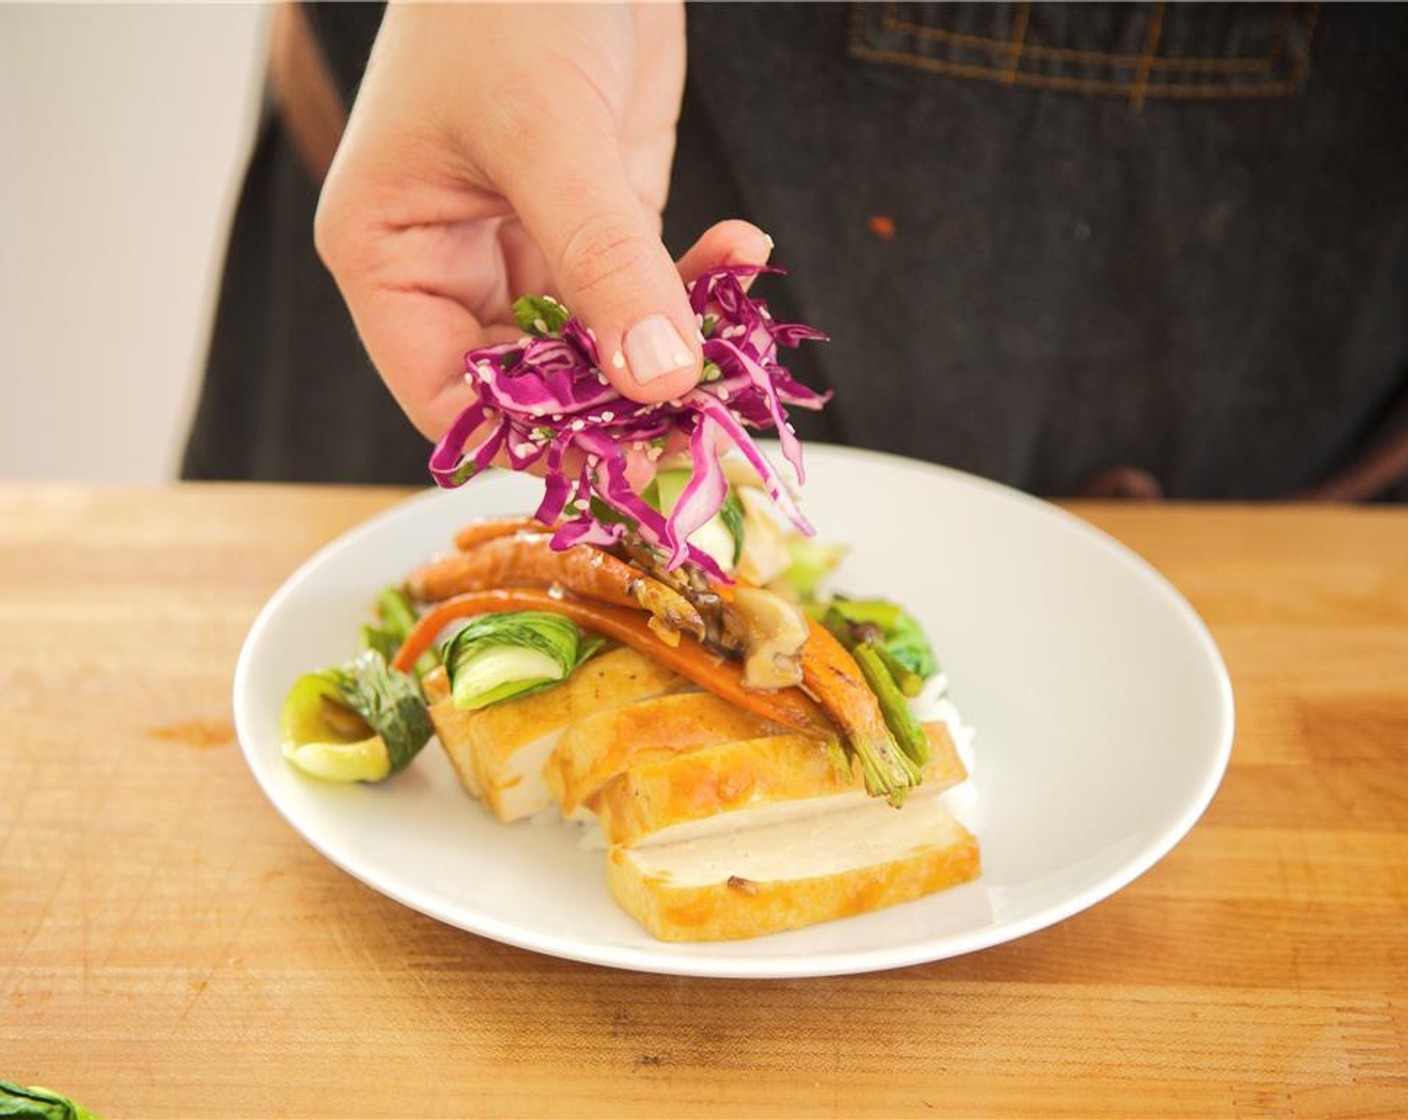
column 745, row 784
column 798, row 872
column 592, row 752
column 499, row 752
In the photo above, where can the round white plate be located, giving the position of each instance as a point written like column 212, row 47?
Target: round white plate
column 1102, row 707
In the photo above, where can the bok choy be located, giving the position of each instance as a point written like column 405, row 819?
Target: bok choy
column 360, row 722
column 506, row 656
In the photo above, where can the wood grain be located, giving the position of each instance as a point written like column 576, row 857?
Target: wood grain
column 170, row 948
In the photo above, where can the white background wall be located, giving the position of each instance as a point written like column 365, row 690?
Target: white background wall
column 124, row 130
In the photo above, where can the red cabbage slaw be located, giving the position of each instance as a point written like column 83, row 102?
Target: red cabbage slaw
column 545, row 396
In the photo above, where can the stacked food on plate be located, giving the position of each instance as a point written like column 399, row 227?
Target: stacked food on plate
column 653, row 656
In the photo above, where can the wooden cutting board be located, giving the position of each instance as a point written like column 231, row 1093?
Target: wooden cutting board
column 170, row 948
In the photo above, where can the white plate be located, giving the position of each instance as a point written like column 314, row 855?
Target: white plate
column 1103, row 711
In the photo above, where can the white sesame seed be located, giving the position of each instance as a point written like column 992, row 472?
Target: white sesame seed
column 607, row 416
column 540, row 326
column 618, row 360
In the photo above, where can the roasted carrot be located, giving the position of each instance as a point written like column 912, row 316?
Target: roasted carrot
column 491, row 528
column 722, row 677
column 831, row 676
column 529, row 560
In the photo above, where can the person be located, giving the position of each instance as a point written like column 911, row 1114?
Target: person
column 1127, row 250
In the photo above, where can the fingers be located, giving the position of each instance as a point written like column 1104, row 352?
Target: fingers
column 458, row 187
column 731, row 242
column 419, row 341
column 603, row 244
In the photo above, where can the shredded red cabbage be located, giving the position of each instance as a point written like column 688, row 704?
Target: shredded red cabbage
column 545, row 395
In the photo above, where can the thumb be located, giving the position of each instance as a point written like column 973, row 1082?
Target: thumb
column 603, row 246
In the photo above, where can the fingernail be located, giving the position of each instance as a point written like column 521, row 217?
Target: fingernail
column 654, row 348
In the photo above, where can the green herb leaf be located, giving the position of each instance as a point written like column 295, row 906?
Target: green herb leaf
column 464, row 473
column 38, row 1103
column 540, row 316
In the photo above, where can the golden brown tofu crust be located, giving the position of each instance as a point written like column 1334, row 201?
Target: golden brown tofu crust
column 740, row 908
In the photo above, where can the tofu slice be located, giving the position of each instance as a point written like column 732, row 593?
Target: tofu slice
column 594, row 751
column 798, row 872
column 744, row 784
column 498, row 752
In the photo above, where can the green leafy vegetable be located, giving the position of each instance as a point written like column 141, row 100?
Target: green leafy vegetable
column 731, row 514
column 721, row 536
column 910, row 647
column 507, row 656
column 390, row 702
column 396, row 611
column 900, row 631
column 540, row 316
column 397, row 620
column 381, row 639
column 38, row 1103
column 360, row 722
column 811, row 563
column 861, row 641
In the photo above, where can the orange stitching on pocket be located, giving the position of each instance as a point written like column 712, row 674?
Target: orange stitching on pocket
column 1020, row 19
column 1164, row 90
column 1151, row 44
column 890, row 21
column 1271, row 89
column 987, row 73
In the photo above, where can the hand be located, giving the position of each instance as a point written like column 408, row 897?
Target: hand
column 495, row 151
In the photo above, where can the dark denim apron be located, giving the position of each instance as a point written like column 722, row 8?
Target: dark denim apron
column 1133, row 249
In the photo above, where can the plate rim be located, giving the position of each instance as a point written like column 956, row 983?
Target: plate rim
column 663, row 960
